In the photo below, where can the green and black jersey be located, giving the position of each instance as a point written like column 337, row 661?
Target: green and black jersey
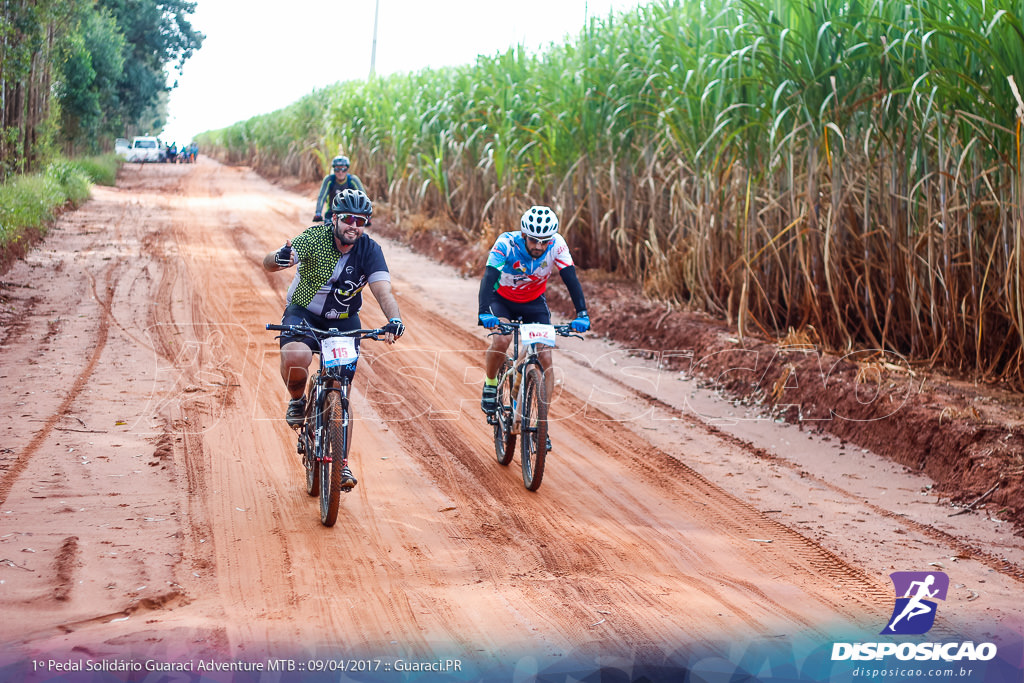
column 329, row 283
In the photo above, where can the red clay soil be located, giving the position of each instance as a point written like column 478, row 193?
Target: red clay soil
column 153, row 505
column 966, row 437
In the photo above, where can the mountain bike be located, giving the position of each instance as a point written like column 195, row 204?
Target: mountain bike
column 325, row 435
column 522, row 398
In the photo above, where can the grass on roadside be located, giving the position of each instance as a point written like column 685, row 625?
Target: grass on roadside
column 29, row 202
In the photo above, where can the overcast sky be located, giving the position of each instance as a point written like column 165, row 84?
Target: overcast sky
column 262, row 55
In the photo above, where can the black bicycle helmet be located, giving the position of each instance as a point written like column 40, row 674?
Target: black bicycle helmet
column 539, row 222
column 352, row 201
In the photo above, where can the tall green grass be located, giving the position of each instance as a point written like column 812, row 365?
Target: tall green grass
column 29, row 202
column 848, row 166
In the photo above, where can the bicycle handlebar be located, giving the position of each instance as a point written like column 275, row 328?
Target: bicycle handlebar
column 305, row 328
column 563, row 330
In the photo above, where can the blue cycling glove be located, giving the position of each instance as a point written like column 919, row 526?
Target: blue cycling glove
column 489, row 321
column 581, row 323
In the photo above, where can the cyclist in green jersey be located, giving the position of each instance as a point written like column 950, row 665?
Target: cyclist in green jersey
column 336, row 261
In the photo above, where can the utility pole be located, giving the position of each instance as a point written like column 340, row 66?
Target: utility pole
column 373, row 50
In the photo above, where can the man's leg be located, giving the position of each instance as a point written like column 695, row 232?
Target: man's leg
column 295, row 359
column 493, row 360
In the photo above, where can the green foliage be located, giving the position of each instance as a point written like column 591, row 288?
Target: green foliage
column 94, row 57
column 157, row 34
column 100, row 170
column 77, row 73
column 28, row 203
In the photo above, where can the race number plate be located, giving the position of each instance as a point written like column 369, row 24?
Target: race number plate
column 535, row 333
column 338, row 351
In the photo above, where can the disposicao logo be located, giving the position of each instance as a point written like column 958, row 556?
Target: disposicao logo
column 914, row 613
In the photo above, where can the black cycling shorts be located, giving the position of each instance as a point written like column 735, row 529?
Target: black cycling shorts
column 535, row 311
column 293, row 315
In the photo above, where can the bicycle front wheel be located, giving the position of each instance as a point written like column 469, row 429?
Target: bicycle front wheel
column 335, row 434
column 504, row 439
column 534, row 449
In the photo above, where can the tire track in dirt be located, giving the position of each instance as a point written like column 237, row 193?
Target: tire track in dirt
column 188, row 313
column 676, row 479
column 64, row 568
column 104, row 301
column 99, row 344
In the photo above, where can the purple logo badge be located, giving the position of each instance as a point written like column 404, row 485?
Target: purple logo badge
column 915, row 608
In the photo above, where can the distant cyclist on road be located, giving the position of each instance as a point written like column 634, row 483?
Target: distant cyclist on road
column 513, row 285
column 333, row 185
column 336, row 262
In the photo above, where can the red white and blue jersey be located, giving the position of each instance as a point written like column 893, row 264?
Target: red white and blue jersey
column 524, row 278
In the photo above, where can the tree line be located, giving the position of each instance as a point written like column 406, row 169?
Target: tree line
column 74, row 74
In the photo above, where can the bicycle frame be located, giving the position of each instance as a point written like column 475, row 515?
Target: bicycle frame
column 320, row 385
column 522, row 399
column 323, row 438
column 530, row 357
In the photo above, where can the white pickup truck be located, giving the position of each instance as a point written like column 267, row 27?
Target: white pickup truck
column 145, row 148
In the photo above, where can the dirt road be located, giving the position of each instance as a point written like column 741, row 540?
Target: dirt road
column 151, row 501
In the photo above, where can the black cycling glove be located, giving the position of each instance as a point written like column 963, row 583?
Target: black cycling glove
column 283, row 257
column 395, row 327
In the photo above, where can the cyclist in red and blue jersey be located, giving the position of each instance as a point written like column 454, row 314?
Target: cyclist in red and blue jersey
column 515, row 279
column 336, row 261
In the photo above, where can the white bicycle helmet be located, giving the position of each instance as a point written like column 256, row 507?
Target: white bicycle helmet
column 539, row 222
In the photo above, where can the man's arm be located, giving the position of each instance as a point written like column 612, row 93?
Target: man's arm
column 322, row 197
column 572, row 283
column 487, row 282
column 389, row 306
column 357, row 182
column 385, row 298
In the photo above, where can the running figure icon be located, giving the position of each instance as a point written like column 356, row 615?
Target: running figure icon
column 917, row 590
column 916, row 607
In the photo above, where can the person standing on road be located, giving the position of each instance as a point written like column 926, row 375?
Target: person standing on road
column 333, row 185
column 513, row 285
column 336, row 261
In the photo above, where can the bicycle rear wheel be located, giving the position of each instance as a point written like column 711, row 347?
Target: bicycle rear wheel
column 336, row 432
column 533, row 449
column 504, row 439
